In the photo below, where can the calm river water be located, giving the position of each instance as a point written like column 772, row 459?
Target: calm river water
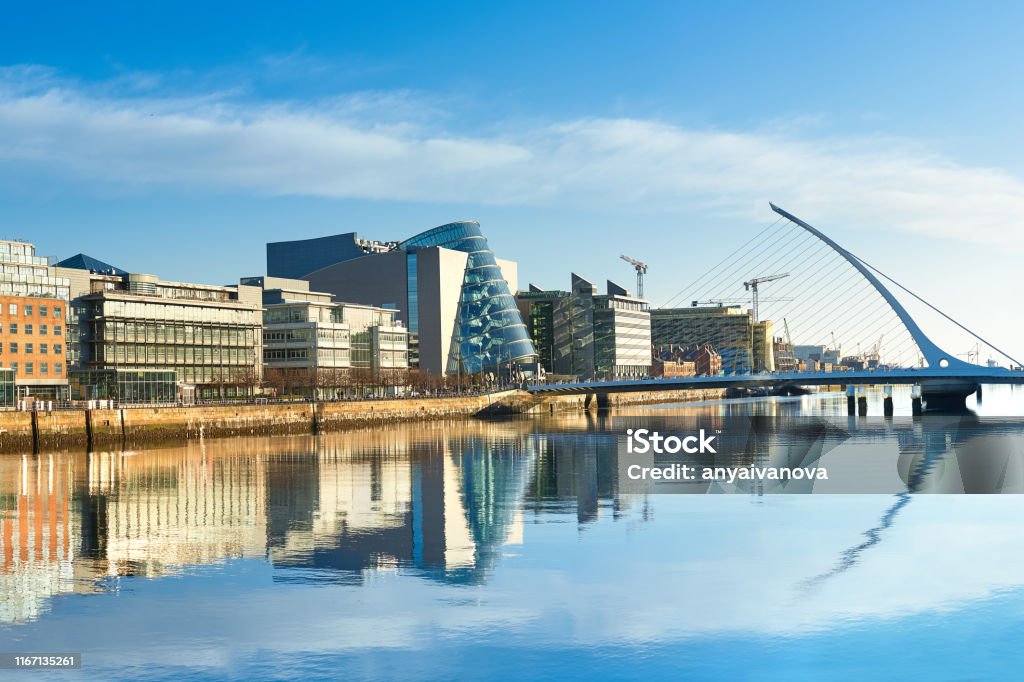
column 508, row 550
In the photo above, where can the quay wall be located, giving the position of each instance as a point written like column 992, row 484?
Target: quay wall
column 139, row 426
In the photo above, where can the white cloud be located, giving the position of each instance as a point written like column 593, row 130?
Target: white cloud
column 378, row 146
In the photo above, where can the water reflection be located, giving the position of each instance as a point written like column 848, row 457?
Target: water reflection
column 440, row 503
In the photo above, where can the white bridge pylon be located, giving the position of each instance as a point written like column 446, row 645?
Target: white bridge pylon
column 933, row 355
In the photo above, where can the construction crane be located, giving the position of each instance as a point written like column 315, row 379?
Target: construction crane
column 751, row 286
column 641, row 270
column 722, row 302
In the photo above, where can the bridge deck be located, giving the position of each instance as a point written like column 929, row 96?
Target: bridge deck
column 978, row 375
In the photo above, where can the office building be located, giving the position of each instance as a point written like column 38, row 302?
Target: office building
column 32, row 344
column 604, row 336
column 729, row 329
column 339, row 348
column 763, row 346
column 33, row 315
column 537, row 309
column 452, row 293
column 210, row 336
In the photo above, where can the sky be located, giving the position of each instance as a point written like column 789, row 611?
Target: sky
column 178, row 138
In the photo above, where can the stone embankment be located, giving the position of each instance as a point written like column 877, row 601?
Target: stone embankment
column 72, row 429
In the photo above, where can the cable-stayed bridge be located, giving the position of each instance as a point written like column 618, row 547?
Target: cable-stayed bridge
column 823, row 272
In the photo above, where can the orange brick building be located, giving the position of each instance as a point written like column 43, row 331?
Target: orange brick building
column 33, row 343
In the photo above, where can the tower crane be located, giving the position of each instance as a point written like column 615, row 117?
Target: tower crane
column 641, row 270
column 751, row 286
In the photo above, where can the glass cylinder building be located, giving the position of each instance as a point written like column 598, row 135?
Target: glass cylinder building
column 490, row 332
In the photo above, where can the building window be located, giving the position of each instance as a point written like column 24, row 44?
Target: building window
column 12, row 309
column 28, row 348
column 28, row 310
column 58, row 368
column 14, row 366
column 43, row 311
column 56, row 311
column 14, row 346
column 28, row 329
column 58, row 349
column 56, row 330
column 29, row 368
column 42, row 329
column 44, row 348
column 14, row 327
column 44, row 368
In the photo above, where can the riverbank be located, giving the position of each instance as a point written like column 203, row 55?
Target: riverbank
column 84, row 429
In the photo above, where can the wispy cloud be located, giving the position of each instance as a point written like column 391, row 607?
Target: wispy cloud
column 402, row 147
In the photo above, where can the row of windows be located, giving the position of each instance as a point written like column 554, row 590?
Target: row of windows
column 43, row 329
column 29, row 368
column 44, row 310
column 29, row 348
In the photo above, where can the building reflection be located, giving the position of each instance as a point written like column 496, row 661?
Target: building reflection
column 436, row 502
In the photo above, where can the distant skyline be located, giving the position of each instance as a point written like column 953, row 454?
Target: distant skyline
column 179, row 139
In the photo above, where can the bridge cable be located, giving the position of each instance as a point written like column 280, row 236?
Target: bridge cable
column 969, row 331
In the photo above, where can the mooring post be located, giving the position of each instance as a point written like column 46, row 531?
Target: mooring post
column 887, row 401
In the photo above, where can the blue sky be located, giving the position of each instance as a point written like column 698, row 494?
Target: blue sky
column 178, row 139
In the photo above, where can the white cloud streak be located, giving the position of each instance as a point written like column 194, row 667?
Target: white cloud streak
column 341, row 149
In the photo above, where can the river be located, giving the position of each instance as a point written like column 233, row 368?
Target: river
column 512, row 548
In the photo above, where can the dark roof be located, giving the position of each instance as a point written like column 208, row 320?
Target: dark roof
column 84, row 262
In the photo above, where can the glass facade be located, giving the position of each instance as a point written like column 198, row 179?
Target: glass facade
column 7, row 391
column 124, row 386
column 491, row 334
column 216, row 346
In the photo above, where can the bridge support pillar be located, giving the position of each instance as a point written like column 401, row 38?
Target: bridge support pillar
column 588, row 401
column 978, row 394
column 602, row 401
column 851, row 401
column 862, row 406
column 887, row 401
column 947, row 395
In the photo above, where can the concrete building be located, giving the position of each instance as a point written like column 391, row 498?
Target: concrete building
column 537, row 309
column 763, row 346
column 729, row 329
column 210, row 336
column 452, row 293
column 601, row 335
column 311, row 340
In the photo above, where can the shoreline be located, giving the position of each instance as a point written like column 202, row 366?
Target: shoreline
column 85, row 429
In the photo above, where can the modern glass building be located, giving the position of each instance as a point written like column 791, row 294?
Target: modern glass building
column 490, row 334
column 211, row 336
column 124, row 385
column 451, row 292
